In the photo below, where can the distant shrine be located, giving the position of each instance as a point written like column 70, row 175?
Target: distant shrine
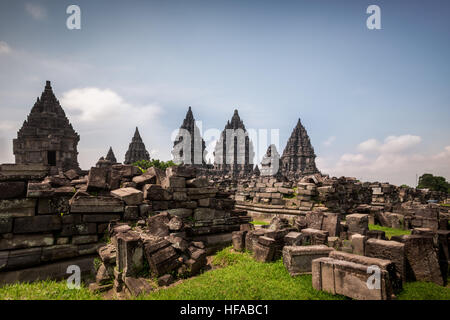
column 234, row 151
column 189, row 146
column 298, row 157
column 47, row 137
column 136, row 150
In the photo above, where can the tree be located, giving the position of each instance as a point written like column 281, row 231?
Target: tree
column 145, row 164
column 434, row 183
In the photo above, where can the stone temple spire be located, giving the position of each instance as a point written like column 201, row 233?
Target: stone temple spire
column 110, row 156
column 47, row 137
column 298, row 157
column 270, row 164
column 136, row 150
column 189, row 147
column 234, row 151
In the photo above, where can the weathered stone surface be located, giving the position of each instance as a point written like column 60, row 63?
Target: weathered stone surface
column 165, row 280
column 59, row 252
column 175, row 224
column 298, row 259
column 23, row 258
column 388, row 250
column 37, row 224
column 55, row 271
column 161, row 260
column 131, row 213
column 137, row 286
column 181, row 212
column 158, row 225
column 197, row 183
column 359, row 243
column 376, row 234
column 184, row 171
column 358, row 223
column 173, row 182
column 238, row 239
column 101, row 217
column 148, row 177
column 39, row 190
column 84, row 239
column 264, row 252
column 348, row 279
column 130, row 196
column 18, row 207
column 78, row 229
column 22, row 172
column 204, row 214
column 6, row 224
column 103, row 276
column 26, row 241
column 86, row 204
column 130, row 254
column 331, row 223
column 315, row 237
column 422, row 262
column 12, row 189
column 252, row 237
column 155, row 192
column 98, row 179
column 108, row 253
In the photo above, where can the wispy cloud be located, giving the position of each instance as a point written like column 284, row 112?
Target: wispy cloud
column 329, row 141
column 395, row 161
column 4, row 48
column 36, row 11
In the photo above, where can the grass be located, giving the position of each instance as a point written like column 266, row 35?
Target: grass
column 389, row 231
column 238, row 276
column 260, row 223
column 45, row 290
column 242, row 278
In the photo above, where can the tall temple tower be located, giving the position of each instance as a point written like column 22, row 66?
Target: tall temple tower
column 189, row 147
column 47, row 137
column 110, row 156
column 234, row 151
column 136, row 150
column 298, row 157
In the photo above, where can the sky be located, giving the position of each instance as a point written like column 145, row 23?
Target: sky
column 375, row 103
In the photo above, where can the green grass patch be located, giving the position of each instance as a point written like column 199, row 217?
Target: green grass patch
column 424, row 291
column 243, row 278
column 389, row 231
column 260, row 223
column 45, row 290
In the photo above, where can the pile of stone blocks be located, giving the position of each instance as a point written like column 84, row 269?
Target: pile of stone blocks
column 352, row 276
column 267, row 191
column 157, row 248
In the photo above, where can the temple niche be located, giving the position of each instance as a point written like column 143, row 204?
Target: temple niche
column 189, row 147
column 234, row 151
column 136, row 150
column 47, row 137
column 298, row 157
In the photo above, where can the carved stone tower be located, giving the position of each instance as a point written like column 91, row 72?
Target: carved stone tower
column 298, row 157
column 47, row 137
column 136, row 150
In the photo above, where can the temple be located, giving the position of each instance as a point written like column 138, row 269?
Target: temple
column 47, row 137
column 110, row 156
column 189, row 147
column 234, row 151
column 136, row 150
column 298, row 157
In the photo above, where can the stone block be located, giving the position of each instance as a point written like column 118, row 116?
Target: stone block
column 23, row 258
column 12, row 189
column 98, row 179
column 252, row 237
column 298, row 259
column 131, row 213
column 331, row 223
column 422, row 263
column 184, row 171
column 59, row 252
column 101, row 217
column 158, row 225
column 86, row 204
column 130, row 196
column 197, row 183
column 37, row 224
column 263, row 253
column 204, row 214
column 26, row 241
column 181, row 212
column 18, row 207
column 6, row 224
column 84, row 239
column 130, row 254
column 238, row 239
column 358, row 243
column 137, row 286
column 315, row 237
column 39, row 190
column 165, row 280
column 293, row 239
column 161, row 257
column 358, row 223
column 155, row 192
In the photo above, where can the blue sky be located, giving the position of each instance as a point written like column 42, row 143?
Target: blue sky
column 376, row 103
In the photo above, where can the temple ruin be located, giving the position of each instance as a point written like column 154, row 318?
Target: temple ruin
column 189, row 146
column 298, row 157
column 234, row 151
column 47, row 137
column 136, row 150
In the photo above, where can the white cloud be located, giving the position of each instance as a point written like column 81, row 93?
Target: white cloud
column 37, row 12
column 4, row 48
column 392, row 144
column 105, row 105
column 329, row 141
column 391, row 161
